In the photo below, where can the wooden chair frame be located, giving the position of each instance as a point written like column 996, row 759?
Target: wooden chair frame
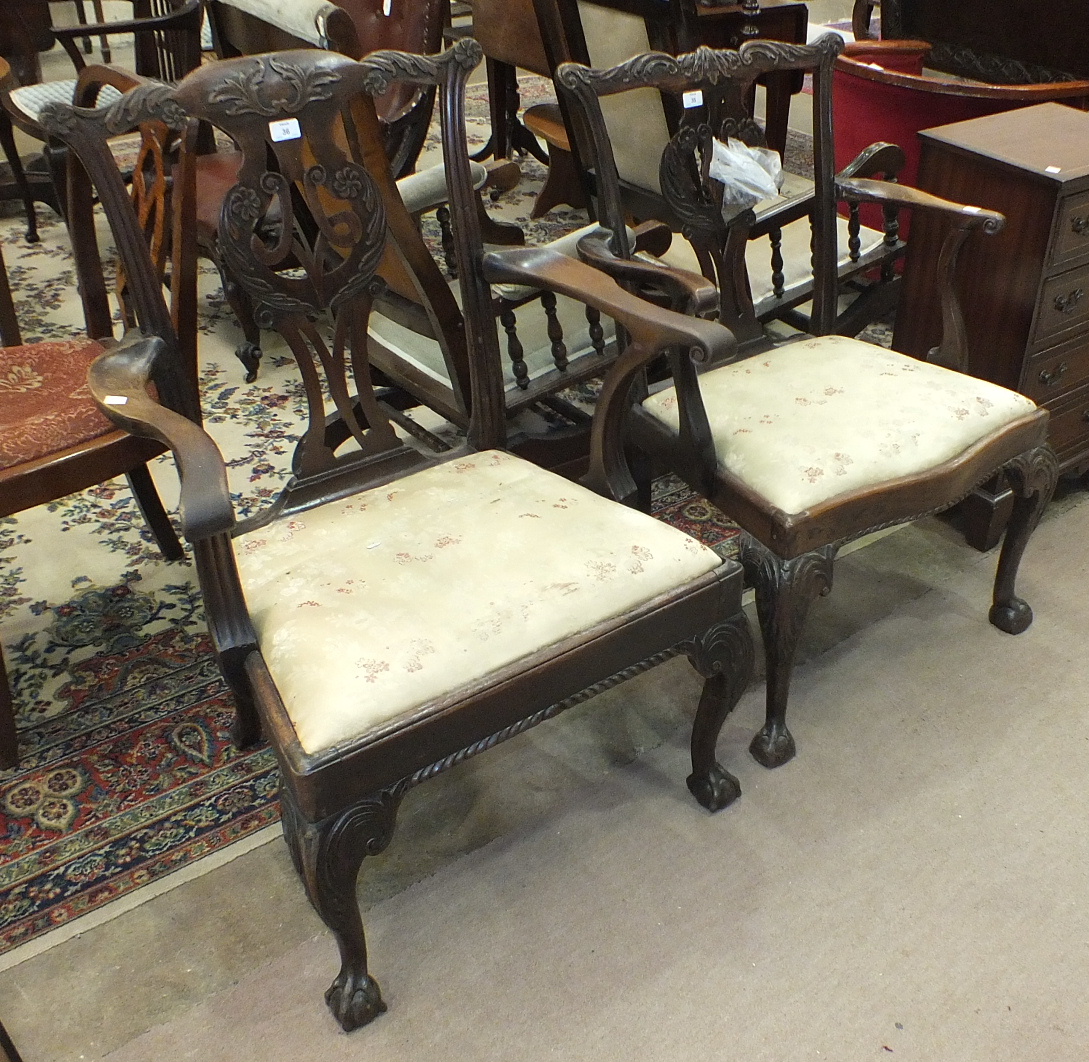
column 340, row 802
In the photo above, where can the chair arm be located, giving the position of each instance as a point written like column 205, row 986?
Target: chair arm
column 653, row 331
column 886, row 193
column 952, row 351
column 688, row 292
column 118, row 381
column 652, row 327
column 880, row 157
column 133, row 25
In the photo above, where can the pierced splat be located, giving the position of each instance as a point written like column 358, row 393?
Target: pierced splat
column 304, row 234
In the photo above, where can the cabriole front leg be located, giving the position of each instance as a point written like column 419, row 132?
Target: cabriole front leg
column 1033, row 476
column 785, row 589
column 328, row 855
column 724, row 657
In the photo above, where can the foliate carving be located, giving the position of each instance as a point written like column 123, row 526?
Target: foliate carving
column 985, row 66
column 382, row 69
column 152, row 102
column 709, row 65
column 252, row 91
column 1034, row 472
column 686, row 189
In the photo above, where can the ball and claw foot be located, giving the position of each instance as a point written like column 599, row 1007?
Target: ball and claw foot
column 715, row 791
column 1013, row 618
column 773, row 746
column 250, row 356
column 355, row 1000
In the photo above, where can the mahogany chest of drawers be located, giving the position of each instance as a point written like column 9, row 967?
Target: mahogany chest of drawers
column 1024, row 292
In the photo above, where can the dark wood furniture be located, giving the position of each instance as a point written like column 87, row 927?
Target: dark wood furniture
column 392, row 614
column 883, row 93
column 8, row 1053
column 508, row 33
column 820, row 440
column 53, row 441
column 1047, row 40
column 166, row 45
column 775, row 276
column 1026, row 314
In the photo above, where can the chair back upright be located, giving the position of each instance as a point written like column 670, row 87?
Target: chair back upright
column 706, row 90
column 145, row 211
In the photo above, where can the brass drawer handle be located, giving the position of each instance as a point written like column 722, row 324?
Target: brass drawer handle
column 1079, row 225
column 1068, row 303
column 1051, row 377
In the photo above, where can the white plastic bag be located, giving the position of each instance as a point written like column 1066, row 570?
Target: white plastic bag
column 748, row 175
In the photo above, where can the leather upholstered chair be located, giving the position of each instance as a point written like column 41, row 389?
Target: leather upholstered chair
column 393, row 613
column 825, row 438
column 53, row 439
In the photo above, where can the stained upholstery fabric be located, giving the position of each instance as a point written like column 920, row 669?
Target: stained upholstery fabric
column 822, row 417
column 371, row 609
column 45, row 405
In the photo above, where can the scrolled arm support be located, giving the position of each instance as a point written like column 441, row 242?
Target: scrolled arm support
column 118, row 381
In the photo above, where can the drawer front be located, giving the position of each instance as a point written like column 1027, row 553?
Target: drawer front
column 1064, row 304
column 1049, row 376
column 1071, row 236
column 1069, row 428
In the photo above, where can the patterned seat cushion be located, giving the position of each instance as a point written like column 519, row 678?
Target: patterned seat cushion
column 45, row 406
column 30, row 99
column 822, row 417
column 372, row 610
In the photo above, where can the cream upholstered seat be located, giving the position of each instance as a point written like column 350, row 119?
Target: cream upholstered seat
column 823, row 417
column 399, row 607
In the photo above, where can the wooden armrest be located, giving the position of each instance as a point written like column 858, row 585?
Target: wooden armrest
column 687, row 292
column 118, row 380
column 653, row 331
column 653, row 327
column 886, row 193
column 952, row 351
column 879, row 158
column 93, row 78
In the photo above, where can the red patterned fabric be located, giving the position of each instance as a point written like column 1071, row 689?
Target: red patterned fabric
column 45, row 405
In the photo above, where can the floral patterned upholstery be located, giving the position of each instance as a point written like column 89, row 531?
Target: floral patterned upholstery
column 822, row 417
column 373, row 609
column 45, row 405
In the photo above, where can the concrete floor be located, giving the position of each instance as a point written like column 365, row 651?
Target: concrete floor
column 97, row 990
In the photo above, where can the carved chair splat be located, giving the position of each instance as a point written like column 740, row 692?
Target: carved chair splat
column 313, row 604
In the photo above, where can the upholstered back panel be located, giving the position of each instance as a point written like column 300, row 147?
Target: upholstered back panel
column 635, row 120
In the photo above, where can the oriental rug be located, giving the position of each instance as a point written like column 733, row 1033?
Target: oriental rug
column 127, row 773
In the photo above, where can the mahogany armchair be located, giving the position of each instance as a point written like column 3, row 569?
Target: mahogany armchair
column 777, row 270
column 53, row 439
column 539, row 592
column 820, row 440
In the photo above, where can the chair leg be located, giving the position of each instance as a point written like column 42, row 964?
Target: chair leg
column 327, row 856
column 151, row 508
column 724, row 656
column 18, row 175
column 785, row 589
column 9, row 741
column 1033, row 476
